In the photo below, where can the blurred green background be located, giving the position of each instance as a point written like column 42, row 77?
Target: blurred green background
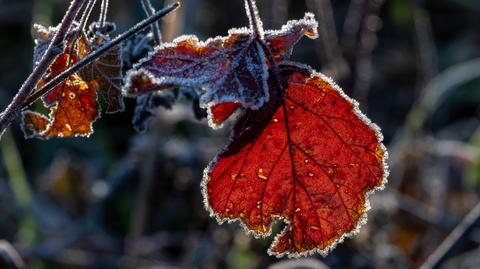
column 125, row 200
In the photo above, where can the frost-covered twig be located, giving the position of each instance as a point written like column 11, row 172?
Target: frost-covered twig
column 257, row 28
column 55, row 48
column 86, row 14
column 98, row 53
column 9, row 256
column 255, row 23
column 150, row 10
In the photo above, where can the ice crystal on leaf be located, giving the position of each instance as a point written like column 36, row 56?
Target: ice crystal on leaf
column 310, row 158
column 230, row 69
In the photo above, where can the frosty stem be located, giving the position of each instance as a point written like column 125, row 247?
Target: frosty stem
column 256, row 28
column 53, row 50
column 149, row 10
column 255, row 22
column 98, row 53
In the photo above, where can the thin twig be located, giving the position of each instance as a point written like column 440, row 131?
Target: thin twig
column 447, row 245
column 256, row 26
column 86, row 14
column 98, row 53
column 150, row 10
column 54, row 49
column 103, row 13
column 255, row 23
column 9, row 256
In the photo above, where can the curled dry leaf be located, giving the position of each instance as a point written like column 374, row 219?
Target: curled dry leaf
column 147, row 106
column 230, row 69
column 309, row 157
column 106, row 72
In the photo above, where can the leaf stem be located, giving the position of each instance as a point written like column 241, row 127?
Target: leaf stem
column 98, row 53
column 255, row 22
column 256, row 25
column 53, row 50
column 86, row 14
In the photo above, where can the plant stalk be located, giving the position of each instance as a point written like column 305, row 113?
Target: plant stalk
column 53, row 50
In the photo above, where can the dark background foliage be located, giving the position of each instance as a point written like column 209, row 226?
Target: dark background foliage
column 125, row 200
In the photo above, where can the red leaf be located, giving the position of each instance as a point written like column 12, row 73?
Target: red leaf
column 229, row 69
column 310, row 159
column 281, row 42
column 73, row 103
column 69, row 57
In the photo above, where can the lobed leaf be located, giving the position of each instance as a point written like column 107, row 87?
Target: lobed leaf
column 309, row 158
column 230, row 69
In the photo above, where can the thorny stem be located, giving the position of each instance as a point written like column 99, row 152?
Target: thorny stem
column 98, row 53
column 10, row 113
